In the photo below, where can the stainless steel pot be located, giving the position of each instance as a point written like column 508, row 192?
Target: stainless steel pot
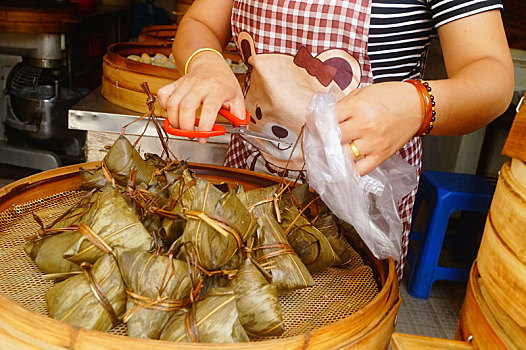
column 42, row 112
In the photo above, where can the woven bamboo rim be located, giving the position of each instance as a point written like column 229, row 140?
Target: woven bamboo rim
column 503, row 274
column 508, row 212
column 473, row 324
column 20, row 328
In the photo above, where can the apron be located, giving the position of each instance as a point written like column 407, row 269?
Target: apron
column 295, row 48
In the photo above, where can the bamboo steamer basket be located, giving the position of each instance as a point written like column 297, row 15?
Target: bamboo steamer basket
column 370, row 327
column 122, row 77
column 158, row 34
column 502, row 273
column 476, row 323
column 508, row 211
column 401, row 341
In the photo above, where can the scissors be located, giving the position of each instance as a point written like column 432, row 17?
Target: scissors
column 239, row 126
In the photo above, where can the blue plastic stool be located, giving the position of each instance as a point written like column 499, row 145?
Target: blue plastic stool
column 447, row 193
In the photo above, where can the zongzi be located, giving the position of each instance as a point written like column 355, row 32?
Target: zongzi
column 211, row 320
column 158, row 286
column 307, row 241
column 257, row 301
column 113, row 221
column 94, row 299
column 275, row 254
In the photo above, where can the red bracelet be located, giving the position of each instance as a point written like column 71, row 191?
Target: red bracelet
column 428, row 106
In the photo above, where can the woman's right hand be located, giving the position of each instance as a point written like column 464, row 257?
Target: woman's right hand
column 211, row 83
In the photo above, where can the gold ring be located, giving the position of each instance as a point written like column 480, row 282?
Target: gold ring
column 355, row 150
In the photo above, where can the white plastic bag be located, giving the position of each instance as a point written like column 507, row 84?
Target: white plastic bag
column 369, row 203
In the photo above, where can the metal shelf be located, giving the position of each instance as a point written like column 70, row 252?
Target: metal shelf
column 95, row 113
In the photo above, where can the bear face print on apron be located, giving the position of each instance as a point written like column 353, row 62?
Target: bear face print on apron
column 294, row 49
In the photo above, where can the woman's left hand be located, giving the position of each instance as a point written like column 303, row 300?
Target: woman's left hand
column 380, row 119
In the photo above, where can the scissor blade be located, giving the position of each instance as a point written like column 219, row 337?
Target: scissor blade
column 257, row 135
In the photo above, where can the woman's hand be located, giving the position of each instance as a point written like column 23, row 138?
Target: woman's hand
column 210, row 83
column 380, row 119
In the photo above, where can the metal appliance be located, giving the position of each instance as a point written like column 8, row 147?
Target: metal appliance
column 36, row 95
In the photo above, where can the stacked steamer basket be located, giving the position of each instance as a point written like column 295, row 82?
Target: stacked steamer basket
column 494, row 312
column 158, row 34
column 352, row 307
column 122, row 76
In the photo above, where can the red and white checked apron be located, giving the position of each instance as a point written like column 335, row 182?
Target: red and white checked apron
column 290, row 44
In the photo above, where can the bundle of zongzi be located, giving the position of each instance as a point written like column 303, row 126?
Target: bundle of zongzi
column 92, row 178
column 122, row 158
column 113, row 221
column 47, row 247
column 94, row 299
column 257, row 301
column 259, row 200
column 307, row 241
column 217, row 224
column 327, row 224
column 47, row 252
column 211, row 320
column 157, row 287
column 275, row 254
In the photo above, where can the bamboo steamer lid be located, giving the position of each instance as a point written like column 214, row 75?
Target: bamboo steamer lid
column 508, row 208
column 503, row 273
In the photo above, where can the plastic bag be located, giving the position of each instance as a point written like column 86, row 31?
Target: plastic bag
column 369, row 202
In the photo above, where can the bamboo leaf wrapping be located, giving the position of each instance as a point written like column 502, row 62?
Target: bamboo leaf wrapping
column 288, row 271
column 308, row 242
column 215, row 248
column 257, row 301
column 143, row 273
column 92, row 178
column 72, row 301
column 259, row 199
column 122, row 158
column 327, row 224
column 47, row 252
column 112, row 219
column 216, row 320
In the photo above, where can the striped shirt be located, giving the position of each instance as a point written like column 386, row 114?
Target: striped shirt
column 401, row 31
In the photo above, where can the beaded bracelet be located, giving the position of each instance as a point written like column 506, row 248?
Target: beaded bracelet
column 428, row 106
column 195, row 53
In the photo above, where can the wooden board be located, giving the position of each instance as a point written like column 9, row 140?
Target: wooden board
column 29, row 20
column 515, row 146
column 400, row 341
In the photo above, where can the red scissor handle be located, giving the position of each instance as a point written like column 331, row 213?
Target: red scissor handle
column 217, row 129
column 235, row 120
